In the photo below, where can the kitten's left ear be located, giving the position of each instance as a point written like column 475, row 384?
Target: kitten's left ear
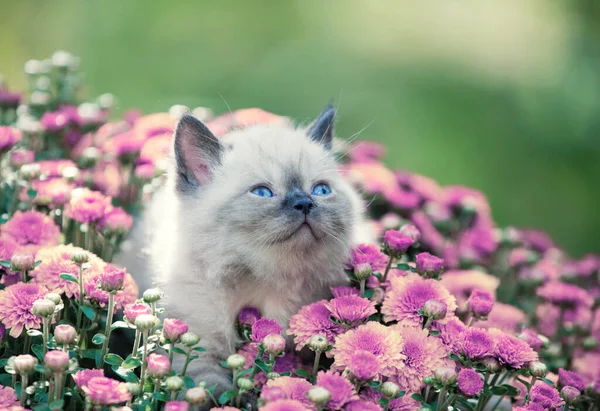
column 321, row 130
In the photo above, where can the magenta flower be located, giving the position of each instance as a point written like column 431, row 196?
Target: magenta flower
column 451, row 333
column 429, row 264
column 512, row 351
column 293, row 389
column 270, row 394
column 411, row 231
column 546, row 396
column 115, row 220
column 158, row 365
column 366, row 152
column 570, row 378
column 406, row 296
column 341, row 389
column 462, row 283
column 31, row 230
column 248, row 316
column 176, row 406
column 53, row 192
column 364, row 365
column 21, row 157
column 430, row 236
column 477, row 343
column 263, row 327
column 402, row 199
column 344, row 291
column 368, row 254
column 87, row 206
column 82, row 377
column 566, row 295
column 538, row 240
column 128, row 294
column 480, row 303
column 172, row 329
column 16, row 302
column 404, row 403
column 470, row 382
column 505, row 317
column 397, row 242
column 112, row 278
column 9, row 136
column 132, row 311
column 8, row 397
column 278, row 405
column 362, row 405
column 104, row 391
column 54, row 121
column 313, row 319
column 9, row 99
column 532, row 338
column 351, row 310
column 56, row 360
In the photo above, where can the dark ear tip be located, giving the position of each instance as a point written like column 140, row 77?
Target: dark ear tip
column 188, row 119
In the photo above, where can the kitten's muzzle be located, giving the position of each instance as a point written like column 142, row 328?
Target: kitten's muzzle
column 302, row 203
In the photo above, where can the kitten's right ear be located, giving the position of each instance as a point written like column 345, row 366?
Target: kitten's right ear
column 197, row 153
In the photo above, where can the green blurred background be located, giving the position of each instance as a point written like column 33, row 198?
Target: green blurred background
column 503, row 96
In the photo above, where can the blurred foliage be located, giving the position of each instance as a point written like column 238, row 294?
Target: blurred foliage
column 501, row 96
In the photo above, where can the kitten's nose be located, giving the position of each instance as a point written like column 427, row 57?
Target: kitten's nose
column 304, row 204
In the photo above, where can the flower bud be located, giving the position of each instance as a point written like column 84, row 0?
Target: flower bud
column 491, row 365
column 112, row 279
column 429, row 380
column 202, row 113
column 174, row 383
column 55, row 298
column 274, row 344
column 434, row 309
column 245, row 384
column 133, row 388
column 273, row 375
column 146, row 321
column 236, row 362
column 80, row 257
column 196, row 396
column 29, row 171
column 590, row 343
column 134, row 310
column 173, row 329
column 363, row 271
column 22, row 262
column 318, row 343
column 411, row 231
column 446, row 376
column 24, row 363
column 396, row 243
column 178, row 110
column 545, row 341
column 538, row 369
column 429, row 265
column 189, row 339
column 57, row 361
column 570, row 394
column 158, row 365
column 480, row 303
column 390, row 390
column 43, row 308
column 378, row 295
column 65, row 334
column 318, row 396
column 152, row 295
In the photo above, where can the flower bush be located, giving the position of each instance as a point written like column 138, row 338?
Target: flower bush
column 449, row 310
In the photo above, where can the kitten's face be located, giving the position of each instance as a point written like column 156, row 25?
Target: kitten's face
column 266, row 192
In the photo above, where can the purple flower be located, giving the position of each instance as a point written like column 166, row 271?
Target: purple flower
column 532, row 406
column 132, row 311
column 176, row 406
column 8, row 398
column 545, row 395
column 16, row 302
column 87, row 206
column 82, row 377
column 112, row 279
column 364, row 365
column 469, row 382
column 480, row 303
column 538, row 240
column 270, row 394
column 351, row 310
column 104, row 391
column 115, row 220
column 451, row 334
column 313, row 319
column 341, row 389
column 32, row 231
column 477, row 343
column 570, row 378
column 172, row 329
column 9, row 136
column 361, row 405
column 429, row 264
column 512, row 351
column 263, row 327
column 9, row 99
column 411, row 231
column 56, row 360
column 21, row 157
column 54, row 121
column 566, row 295
column 248, row 316
column 344, row 291
column 402, row 198
column 369, row 254
column 532, row 338
column 396, row 243
column 158, row 365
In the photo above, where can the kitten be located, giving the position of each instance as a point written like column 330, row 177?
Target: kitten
column 258, row 218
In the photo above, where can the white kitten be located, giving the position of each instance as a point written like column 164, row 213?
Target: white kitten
column 258, row 218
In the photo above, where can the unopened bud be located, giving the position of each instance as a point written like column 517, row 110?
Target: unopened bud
column 429, row 380
column 24, row 363
column 29, row 171
column 274, row 344
column 65, row 334
column 80, row 257
column 146, row 321
column 245, row 384
column 491, row 365
column 43, row 308
column 570, row 394
column 57, row 361
column 55, row 298
column 446, row 375
column 538, row 369
column 133, row 388
column 152, row 295
column 273, row 375
column 318, row 396
column 196, row 396
column 174, row 383
column 390, row 390
column 434, row 309
column 236, row 362
column 22, row 262
column 189, row 339
column 318, row 343
column 363, row 271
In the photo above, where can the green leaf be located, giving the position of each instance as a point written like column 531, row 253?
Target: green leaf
column 127, row 375
column 40, row 368
column 40, row 407
column 480, row 367
column 433, row 332
column 547, row 381
column 417, row 397
column 88, row 311
column 57, row 405
column 5, row 379
column 178, row 350
column 226, row 396
column 499, row 390
column 113, row 359
column 160, row 396
column 262, row 365
column 98, row 339
column 466, row 404
column 403, row 266
column 90, row 353
column 374, row 383
column 224, row 364
column 131, row 363
column 401, row 394
column 38, row 350
column 189, row 382
column 31, row 193
column 510, row 390
column 199, row 349
column 34, row 333
column 5, row 263
column 121, row 324
column 37, row 263
column 303, row 373
column 68, row 277
column 454, row 357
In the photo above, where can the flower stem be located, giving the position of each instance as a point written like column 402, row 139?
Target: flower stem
column 144, row 354
column 23, row 275
column 81, row 296
column 136, row 344
column 58, row 382
column 236, row 388
column 362, row 287
column 187, row 361
column 89, row 238
column 440, row 400
column 316, row 364
column 387, row 269
column 156, row 390
column 46, row 333
column 24, row 382
column 107, row 329
column 171, row 353
column 26, row 344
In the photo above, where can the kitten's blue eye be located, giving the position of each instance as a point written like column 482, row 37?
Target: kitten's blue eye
column 262, row 191
column 321, row 190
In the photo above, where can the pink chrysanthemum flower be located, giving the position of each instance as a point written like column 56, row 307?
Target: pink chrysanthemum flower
column 8, row 397
column 364, row 365
column 263, row 327
column 461, row 284
column 8, row 248
column 351, row 310
column 105, row 391
column 407, row 295
column 344, row 291
column 313, row 319
column 115, row 220
column 282, row 405
column 127, row 295
column 16, row 302
column 9, row 136
column 374, row 177
column 423, row 355
column 429, row 264
column 293, row 388
column 57, row 260
column 404, row 403
column 588, row 366
column 548, row 316
column 567, row 295
column 366, row 152
column 55, row 168
column 470, row 382
column 53, row 192
column 430, row 236
column 477, row 343
column 529, row 407
column 362, row 405
column 571, row 378
column 368, row 254
column 132, row 311
column 545, row 395
column 340, row 388
column 532, row 338
column 176, row 406
column 31, row 230
column 451, row 334
column 384, row 342
column 173, row 328
column 512, row 351
column 402, row 199
column 397, row 242
column 82, row 377
column 505, row 317
column 248, row 316
column 480, row 303
column 87, row 206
